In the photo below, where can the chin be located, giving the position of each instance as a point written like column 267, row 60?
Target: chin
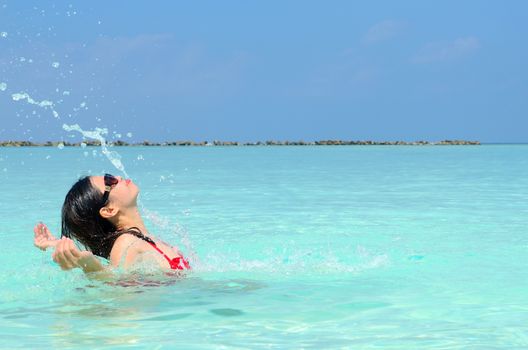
column 134, row 187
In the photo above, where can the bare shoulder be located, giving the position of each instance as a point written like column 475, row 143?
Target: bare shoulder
column 125, row 249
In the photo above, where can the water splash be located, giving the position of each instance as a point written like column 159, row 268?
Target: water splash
column 174, row 230
column 290, row 260
column 46, row 104
column 98, row 135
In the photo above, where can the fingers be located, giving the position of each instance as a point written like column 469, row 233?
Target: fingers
column 41, row 229
column 43, row 238
column 68, row 255
column 73, row 252
column 47, row 232
column 38, row 229
column 63, row 256
column 38, row 238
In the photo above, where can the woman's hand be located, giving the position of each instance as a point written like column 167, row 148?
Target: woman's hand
column 68, row 256
column 43, row 237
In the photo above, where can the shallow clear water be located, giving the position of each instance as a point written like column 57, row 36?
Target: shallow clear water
column 296, row 247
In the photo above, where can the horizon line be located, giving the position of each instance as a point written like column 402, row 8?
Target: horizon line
column 328, row 142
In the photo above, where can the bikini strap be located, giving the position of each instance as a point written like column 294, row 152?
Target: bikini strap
column 137, row 232
column 178, row 263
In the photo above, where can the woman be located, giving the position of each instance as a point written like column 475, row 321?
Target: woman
column 101, row 213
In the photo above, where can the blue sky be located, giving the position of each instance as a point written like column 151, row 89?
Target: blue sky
column 247, row 70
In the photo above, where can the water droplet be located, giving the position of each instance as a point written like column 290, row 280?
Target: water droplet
column 60, row 145
column 3, row 86
column 140, row 157
column 3, row 34
column 129, row 134
column 18, row 97
column 55, row 64
column 66, row 93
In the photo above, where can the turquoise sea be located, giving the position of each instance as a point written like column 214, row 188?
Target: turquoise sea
column 359, row 247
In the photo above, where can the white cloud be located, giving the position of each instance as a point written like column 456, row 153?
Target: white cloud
column 383, row 30
column 446, row 51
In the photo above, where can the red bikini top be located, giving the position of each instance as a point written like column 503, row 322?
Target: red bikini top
column 177, row 263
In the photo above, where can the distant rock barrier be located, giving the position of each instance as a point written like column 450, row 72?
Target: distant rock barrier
column 235, row 143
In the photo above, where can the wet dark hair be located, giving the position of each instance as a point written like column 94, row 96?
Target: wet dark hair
column 81, row 219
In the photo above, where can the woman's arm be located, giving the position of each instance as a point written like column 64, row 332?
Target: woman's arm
column 68, row 256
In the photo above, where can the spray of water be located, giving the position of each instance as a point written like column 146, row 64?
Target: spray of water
column 286, row 263
column 163, row 224
column 174, row 230
column 46, row 104
column 98, row 135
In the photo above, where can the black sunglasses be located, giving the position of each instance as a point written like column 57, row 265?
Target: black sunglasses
column 110, row 181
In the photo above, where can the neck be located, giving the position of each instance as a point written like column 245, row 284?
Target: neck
column 130, row 218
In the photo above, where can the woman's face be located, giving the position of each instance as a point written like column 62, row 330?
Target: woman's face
column 122, row 195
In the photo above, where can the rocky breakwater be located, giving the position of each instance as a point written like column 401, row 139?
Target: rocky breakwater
column 236, row 143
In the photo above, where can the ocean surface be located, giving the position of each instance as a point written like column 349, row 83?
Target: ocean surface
column 358, row 247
